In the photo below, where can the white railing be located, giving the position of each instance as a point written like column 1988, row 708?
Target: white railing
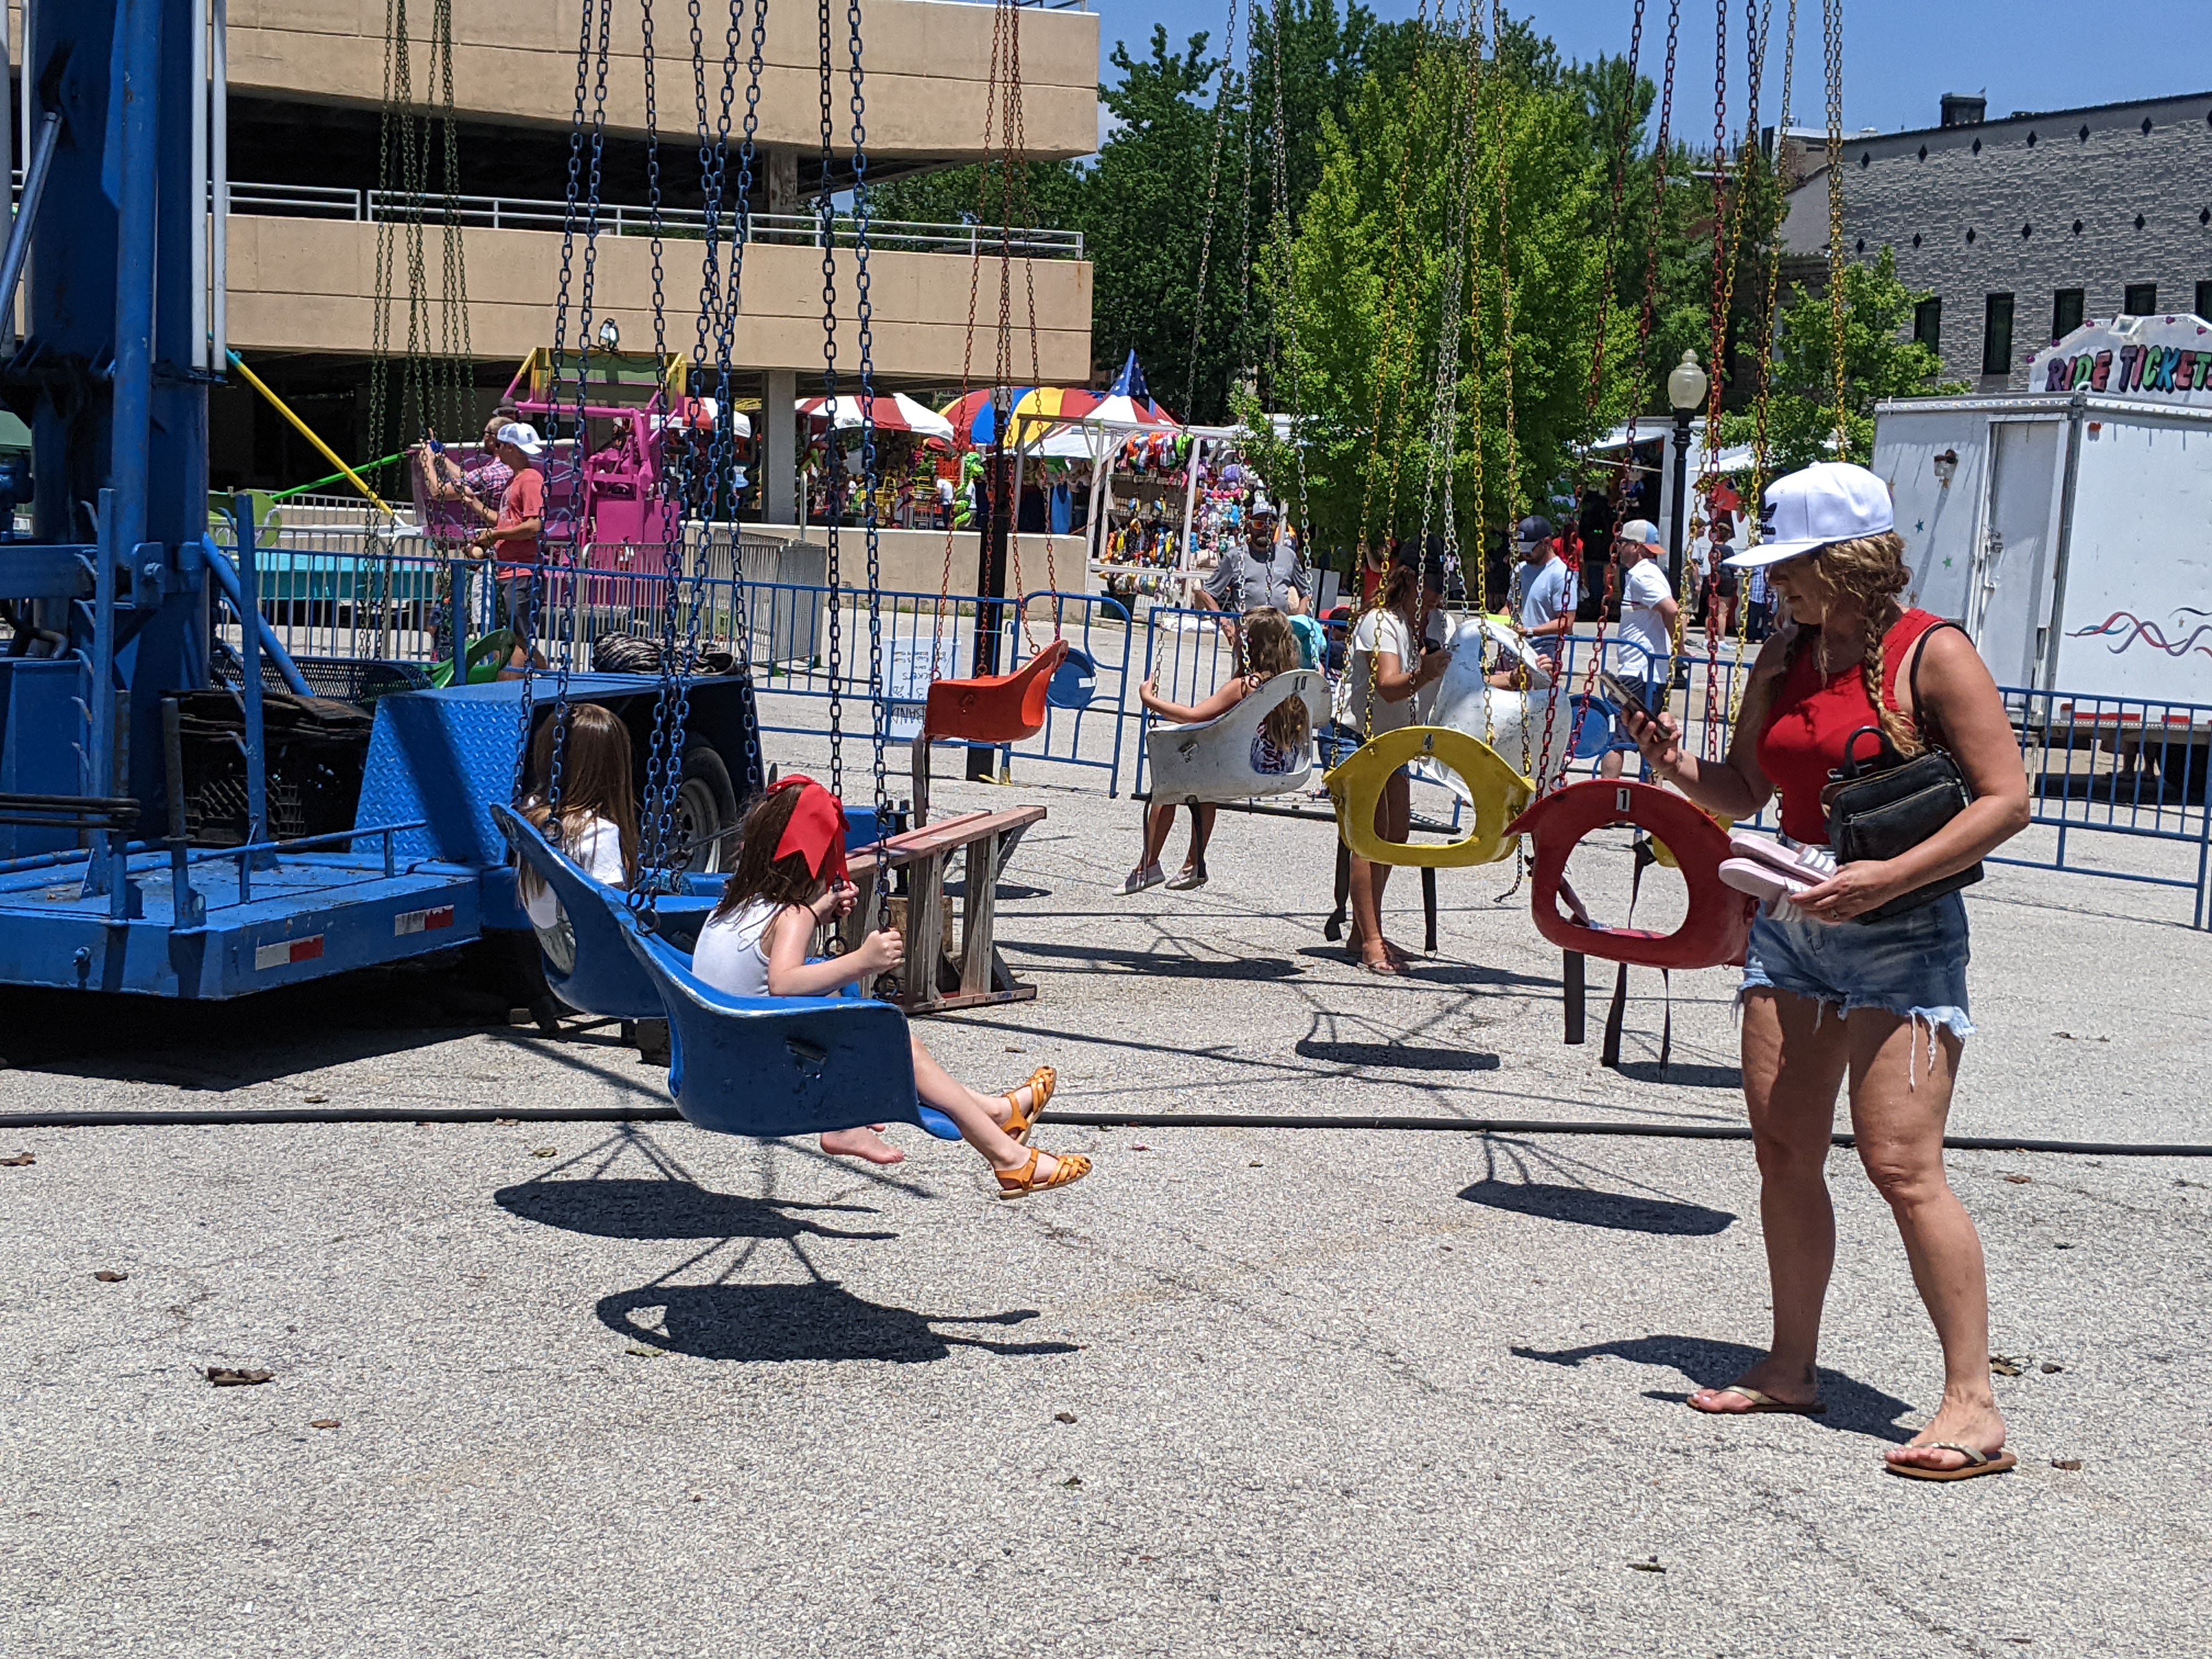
column 627, row 219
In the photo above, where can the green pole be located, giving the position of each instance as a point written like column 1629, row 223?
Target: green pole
column 364, row 469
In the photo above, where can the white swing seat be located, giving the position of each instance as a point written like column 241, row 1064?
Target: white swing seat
column 1510, row 723
column 1211, row 761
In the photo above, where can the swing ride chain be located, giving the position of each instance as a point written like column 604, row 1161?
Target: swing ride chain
column 722, row 303
column 1763, row 399
column 572, row 503
column 1594, row 392
column 863, row 315
column 1206, row 235
column 651, row 855
column 527, row 704
column 1016, row 199
column 1383, row 361
column 1723, row 286
column 1443, row 412
column 1287, row 273
column 1832, row 20
column 1759, row 20
column 833, row 452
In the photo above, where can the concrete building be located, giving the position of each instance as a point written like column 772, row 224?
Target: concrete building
column 2022, row 226
column 306, row 89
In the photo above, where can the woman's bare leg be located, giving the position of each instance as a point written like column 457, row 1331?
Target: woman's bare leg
column 1901, row 1078
column 1794, row 1054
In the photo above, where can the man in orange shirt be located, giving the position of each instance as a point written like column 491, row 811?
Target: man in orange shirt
column 512, row 541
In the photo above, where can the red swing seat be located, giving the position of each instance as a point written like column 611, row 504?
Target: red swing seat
column 1717, row 928
column 993, row 708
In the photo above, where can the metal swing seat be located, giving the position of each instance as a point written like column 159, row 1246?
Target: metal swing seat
column 1497, row 793
column 1717, row 927
column 1508, row 722
column 587, row 966
column 986, row 708
column 993, row 708
column 771, row 1066
column 1211, row 761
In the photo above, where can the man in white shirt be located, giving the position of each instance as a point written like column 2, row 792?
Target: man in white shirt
column 1644, row 642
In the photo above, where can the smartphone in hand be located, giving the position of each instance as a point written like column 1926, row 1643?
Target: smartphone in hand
column 1624, row 694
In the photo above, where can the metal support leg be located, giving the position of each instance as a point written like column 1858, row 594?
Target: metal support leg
column 1573, row 978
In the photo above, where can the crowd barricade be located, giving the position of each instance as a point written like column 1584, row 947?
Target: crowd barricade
column 1087, row 710
column 2117, row 767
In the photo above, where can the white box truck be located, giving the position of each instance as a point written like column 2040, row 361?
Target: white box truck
column 2069, row 528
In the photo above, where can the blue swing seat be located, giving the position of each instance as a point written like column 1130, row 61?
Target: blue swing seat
column 603, row 978
column 770, row 1067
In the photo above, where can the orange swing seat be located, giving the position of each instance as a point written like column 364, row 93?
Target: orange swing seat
column 993, row 708
column 1717, row 927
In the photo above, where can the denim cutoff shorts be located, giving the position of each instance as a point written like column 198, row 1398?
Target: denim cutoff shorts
column 1913, row 965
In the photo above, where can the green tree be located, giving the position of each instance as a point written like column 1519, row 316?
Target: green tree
column 1370, row 261
column 1880, row 360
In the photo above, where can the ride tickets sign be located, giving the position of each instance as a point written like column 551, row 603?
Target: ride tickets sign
column 2162, row 359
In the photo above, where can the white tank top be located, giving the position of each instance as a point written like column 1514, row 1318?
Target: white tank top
column 732, row 953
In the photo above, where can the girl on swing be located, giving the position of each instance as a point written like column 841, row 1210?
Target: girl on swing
column 1279, row 747
column 790, row 880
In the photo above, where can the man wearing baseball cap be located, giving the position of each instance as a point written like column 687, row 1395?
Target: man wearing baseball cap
column 1545, row 590
column 512, row 541
column 1645, row 642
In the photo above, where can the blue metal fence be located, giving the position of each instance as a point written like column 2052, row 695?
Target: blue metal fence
column 2106, row 767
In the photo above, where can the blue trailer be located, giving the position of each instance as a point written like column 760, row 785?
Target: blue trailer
column 109, row 604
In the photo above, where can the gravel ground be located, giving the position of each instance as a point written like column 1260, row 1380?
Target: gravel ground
column 612, row 1390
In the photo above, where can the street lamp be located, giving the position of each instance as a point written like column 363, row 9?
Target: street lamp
column 1686, row 387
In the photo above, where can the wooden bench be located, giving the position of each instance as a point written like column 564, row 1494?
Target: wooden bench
column 936, row 979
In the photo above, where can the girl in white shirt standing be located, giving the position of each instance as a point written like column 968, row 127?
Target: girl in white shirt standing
column 789, row 881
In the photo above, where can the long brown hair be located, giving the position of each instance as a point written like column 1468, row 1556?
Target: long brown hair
column 1271, row 647
column 595, row 780
column 1870, row 572
column 759, row 873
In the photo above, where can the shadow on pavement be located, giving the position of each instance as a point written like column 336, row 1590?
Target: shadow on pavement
column 1683, row 1074
column 1422, row 971
column 1162, row 965
column 820, row 1321
column 1404, row 1057
column 666, row 1209
column 1852, row 1406
column 1589, row 1207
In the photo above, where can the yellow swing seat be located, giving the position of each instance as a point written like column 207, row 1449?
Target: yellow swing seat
column 1497, row 793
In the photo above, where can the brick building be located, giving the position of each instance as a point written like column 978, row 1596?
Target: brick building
column 2023, row 227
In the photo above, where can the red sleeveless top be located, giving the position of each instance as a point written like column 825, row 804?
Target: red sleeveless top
column 1814, row 717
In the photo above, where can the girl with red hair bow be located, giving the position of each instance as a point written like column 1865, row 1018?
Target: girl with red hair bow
column 790, row 880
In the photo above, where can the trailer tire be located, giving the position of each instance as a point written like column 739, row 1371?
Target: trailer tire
column 705, row 806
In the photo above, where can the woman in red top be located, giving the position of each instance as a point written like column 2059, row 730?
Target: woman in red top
column 1825, row 997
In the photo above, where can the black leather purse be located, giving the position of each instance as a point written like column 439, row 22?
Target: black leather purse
column 1885, row 805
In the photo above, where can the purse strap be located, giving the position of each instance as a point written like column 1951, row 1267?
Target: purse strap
column 1920, row 720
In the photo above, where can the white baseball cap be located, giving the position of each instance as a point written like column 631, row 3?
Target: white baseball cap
column 1639, row 530
column 524, row 437
column 1826, row 503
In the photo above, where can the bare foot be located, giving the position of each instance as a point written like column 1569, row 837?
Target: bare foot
column 867, row 1143
column 1977, row 1424
column 1776, row 1381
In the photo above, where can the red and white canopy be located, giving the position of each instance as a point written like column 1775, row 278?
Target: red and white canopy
column 896, row 413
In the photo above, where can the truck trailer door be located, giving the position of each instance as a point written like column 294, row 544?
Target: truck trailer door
column 2008, row 595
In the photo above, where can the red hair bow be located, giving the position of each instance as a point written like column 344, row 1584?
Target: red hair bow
column 817, row 829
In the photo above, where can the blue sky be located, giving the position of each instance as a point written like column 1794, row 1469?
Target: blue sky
column 1900, row 55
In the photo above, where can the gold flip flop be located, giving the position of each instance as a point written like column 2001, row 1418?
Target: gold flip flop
column 1976, row 1464
column 1762, row 1402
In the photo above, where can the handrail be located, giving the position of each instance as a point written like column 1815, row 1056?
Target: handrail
column 624, row 219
